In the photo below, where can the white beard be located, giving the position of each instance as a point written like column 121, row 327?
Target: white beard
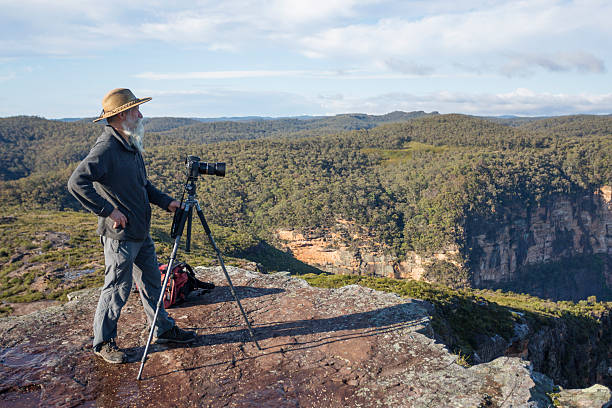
column 136, row 135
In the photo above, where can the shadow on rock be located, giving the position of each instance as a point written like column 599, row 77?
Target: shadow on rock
column 272, row 259
column 221, row 294
column 299, row 335
column 369, row 323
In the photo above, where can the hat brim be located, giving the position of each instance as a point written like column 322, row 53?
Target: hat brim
column 122, row 108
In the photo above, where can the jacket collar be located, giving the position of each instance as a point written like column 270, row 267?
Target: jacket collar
column 108, row 129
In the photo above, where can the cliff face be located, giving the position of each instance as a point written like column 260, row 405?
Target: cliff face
column 571, row 355
column 347, row 249
column 561, row 229
column 564, row 228
column 568, row 355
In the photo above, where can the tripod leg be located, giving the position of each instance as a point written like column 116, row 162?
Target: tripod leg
column 163, row 290
column 188, row 236
column 220, row 258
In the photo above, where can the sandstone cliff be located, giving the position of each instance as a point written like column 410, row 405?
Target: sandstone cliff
column 562, row 228
column 335, row 348
column 348, row 249
column 497, row 251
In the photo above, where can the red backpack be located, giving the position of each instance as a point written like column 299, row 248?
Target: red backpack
column 181, row 283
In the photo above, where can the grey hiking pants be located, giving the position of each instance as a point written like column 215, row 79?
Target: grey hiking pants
column 127, row 260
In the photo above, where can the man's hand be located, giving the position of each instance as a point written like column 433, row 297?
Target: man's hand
column 172, row 207
column 119, row 218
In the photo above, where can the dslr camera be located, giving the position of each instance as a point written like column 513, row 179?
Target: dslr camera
column 196, row 167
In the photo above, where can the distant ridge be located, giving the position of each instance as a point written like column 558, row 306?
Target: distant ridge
column 69, row 119
column 253, row 118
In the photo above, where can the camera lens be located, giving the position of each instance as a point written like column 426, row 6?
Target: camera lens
column 215, row 169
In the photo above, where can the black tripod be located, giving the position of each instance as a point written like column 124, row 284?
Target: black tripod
column 181, row 216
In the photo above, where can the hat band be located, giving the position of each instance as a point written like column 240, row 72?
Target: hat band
column 122, row 107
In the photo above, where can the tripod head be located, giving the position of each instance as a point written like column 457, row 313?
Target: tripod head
column 195, row 167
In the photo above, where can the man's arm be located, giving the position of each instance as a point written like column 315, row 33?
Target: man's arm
column 80, row 183
column 161, row 199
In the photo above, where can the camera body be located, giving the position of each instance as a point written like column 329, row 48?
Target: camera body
column 196, row 167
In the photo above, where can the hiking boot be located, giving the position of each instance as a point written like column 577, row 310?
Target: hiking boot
column 176, row 335
column 110, row 352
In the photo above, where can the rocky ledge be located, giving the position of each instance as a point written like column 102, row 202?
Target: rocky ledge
column 347, row 347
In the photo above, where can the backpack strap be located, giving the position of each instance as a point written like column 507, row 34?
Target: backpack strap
column 197, row 283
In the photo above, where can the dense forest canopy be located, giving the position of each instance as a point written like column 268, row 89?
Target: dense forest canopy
column 414, row 180
column 32, row 144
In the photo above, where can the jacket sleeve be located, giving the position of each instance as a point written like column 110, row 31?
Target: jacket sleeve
column 80, row 183
column 157, row 197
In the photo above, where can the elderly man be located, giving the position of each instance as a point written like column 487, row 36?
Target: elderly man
column 112, row 183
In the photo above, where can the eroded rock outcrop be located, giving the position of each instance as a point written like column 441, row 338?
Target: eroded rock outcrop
column 335, row 348
column 348, row 249
column 563, row 228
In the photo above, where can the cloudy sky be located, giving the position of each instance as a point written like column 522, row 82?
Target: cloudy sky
column 307, row 57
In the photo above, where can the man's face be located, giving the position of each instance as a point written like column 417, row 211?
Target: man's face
column 133, row 127
column 131, row 118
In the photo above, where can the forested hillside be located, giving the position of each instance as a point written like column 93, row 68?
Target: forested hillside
column 31, row 144
column 415, row 185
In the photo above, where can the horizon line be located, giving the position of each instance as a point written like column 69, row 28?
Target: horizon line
column 307, row 116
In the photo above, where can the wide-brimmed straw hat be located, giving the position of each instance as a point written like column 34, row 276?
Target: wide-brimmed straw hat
column 119, row 100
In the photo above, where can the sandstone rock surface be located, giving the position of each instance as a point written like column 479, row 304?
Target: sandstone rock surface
column 347, row 347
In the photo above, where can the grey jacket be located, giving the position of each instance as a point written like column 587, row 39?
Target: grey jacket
column 112, row 176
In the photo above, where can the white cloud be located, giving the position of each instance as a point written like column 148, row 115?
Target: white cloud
column 7, row 76
column 485, row 33
column 403, row 70
column 35, row 27
column 319, row 47
column 561, row 62
column 381, row 31
column 236, row 102
column 409, row 67
column 228, row 102
column 191, row 26
column 229, row 74
column 518, row 102
column 301, row 12
column 38, row 26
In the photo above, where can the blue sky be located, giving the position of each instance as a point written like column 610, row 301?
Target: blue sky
column 316, row 57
